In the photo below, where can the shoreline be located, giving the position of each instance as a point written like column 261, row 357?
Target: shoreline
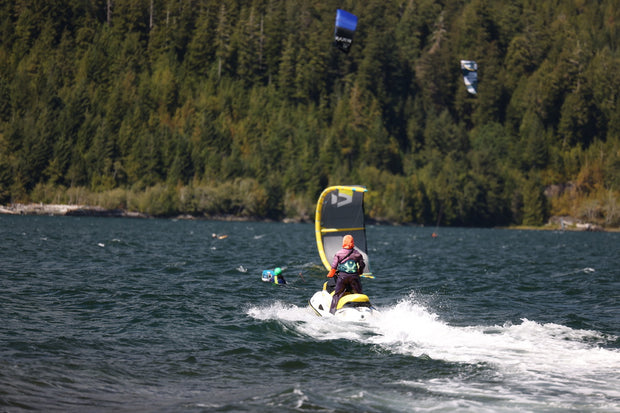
column 555, row 223
column 39, row 209
column 67, row 210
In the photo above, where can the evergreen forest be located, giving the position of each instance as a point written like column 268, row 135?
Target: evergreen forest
column 246, row 109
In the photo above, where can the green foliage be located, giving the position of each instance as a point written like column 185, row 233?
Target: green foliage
column 245, row 108
column 534, row 203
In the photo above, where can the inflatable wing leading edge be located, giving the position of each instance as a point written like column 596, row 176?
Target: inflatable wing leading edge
column 346, row 23
column 469, row 68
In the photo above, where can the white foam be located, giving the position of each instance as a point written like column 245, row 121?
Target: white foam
column 544, row 359
column 307, row 323
column 534, row 362
column 409, row 328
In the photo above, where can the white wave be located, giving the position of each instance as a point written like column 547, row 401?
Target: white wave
column 535, row 363
column 543, row 359
column 283, row 312
column 587, row 270
column 409, row 328
column 307, row 323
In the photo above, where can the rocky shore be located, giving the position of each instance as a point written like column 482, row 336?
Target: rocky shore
column 96, row 211
column 66, row 210
column 555, row 223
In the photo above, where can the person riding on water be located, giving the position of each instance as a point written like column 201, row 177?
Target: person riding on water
column 278, row 278
column 347, row 265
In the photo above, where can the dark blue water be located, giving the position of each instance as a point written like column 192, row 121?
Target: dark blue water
column 103, row 314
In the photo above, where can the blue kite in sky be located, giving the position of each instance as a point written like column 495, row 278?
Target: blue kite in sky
column 346, row 23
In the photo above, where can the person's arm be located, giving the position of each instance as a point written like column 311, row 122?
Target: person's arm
column 361, row 265
column 335, row 262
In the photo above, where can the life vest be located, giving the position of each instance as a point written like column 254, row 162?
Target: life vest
column 350, row 266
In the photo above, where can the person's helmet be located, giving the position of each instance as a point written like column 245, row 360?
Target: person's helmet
column 347, row 242
column 349, row 266
column 277, row 271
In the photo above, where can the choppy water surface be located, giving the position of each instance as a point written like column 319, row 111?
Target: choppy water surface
column 103, row 314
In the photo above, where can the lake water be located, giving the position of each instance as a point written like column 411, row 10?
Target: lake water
column 153, row 315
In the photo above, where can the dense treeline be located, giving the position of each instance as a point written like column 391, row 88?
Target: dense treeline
column 245, row 108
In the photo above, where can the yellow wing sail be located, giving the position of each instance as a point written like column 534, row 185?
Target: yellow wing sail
column 340, row 211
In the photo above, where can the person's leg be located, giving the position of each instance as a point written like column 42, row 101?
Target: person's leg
column 341, row 285
column 331, row 284
column 356, row 284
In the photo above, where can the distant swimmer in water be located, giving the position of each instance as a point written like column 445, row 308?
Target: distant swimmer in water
column 214, row 235
column 274, row 276
column 434, row 235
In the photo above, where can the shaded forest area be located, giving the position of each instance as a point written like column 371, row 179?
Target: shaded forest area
column 245, row 108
